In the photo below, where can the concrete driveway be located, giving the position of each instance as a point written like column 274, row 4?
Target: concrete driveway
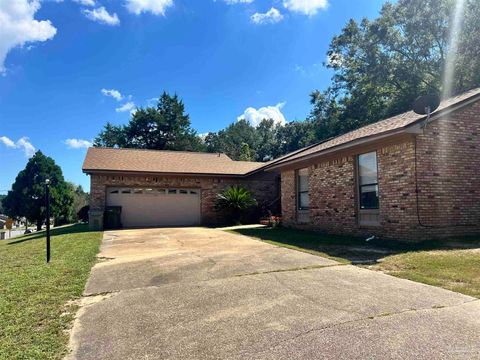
column 197, row 293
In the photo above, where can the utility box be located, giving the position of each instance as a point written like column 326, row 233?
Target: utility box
column 113, row 217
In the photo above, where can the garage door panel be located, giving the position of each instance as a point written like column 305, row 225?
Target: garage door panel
column 156, row 207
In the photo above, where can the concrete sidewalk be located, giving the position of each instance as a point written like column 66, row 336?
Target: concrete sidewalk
column 199, row 293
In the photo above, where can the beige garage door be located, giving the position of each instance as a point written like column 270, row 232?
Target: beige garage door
column 151, row 207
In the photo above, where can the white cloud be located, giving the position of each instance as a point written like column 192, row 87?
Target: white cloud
column 18, row 26
column 156, row 7
column 255, row 117
column 78, row 143
column 129, row 106
column 112, row 93
column 7, row 142
column 272, row 16
column 22, row 143
column 306, row 7
column 85, row 2
column 102, row 16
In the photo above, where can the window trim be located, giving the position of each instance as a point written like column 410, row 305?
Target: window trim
column 360, row 186
column 298, row 192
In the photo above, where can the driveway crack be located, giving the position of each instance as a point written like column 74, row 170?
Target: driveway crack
column 288, row 270
column 373, row 317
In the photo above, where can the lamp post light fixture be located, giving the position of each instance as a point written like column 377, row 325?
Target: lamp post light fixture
column 47, row 205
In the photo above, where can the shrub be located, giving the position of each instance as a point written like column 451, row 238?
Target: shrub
column 234, row 203
column 83, row 214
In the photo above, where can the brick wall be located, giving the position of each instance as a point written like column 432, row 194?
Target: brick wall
column 449, row 173
column 448, row 170
column 332, row 195
column 263, row 185
column 288, row 198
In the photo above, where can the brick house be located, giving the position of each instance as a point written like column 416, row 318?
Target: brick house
column 400, row 178
column 169, row 188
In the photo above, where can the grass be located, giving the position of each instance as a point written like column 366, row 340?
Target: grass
column 34, row 314
column 453, row 264
column 456, row 270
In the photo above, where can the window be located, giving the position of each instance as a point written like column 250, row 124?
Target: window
column 368, row 181
column 126, row 191
column 161, row 191
column 303, row 200
column 181, row 191
column 113, row 191
column 172, row 191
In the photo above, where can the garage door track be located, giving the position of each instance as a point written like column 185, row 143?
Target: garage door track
column 196, row 293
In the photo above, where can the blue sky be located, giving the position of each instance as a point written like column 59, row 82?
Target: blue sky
column 225, row 58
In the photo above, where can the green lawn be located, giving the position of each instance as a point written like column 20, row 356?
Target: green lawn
column 456, row 270
column 453, row 264
column 34, row 314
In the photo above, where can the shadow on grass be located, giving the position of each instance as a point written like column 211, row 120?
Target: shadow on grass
column 63, row 230
column 352, row 249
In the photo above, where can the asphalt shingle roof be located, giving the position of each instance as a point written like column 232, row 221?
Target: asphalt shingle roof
column 175, row 162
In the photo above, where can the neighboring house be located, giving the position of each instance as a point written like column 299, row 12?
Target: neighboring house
column 399, row 178
column 169, row 188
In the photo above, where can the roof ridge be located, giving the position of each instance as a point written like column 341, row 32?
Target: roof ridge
column 155, row 150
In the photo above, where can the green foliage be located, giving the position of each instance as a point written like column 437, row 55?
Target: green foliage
column 27, row 197
column 80, row 199
column 381, row 66
column 164, row 127
column 36, row 307
column 1, row 203
column 82, row 214
column 235, row 202
column 246, row 153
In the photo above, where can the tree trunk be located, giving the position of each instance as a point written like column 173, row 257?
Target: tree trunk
column 39, row 225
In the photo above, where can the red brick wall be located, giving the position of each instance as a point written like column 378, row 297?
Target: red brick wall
column 449, row 172
column 332, row 195
column 263, row 185
column 448, row 164
column 288, row 198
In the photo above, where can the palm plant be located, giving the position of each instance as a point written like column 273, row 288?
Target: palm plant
column 234, row 202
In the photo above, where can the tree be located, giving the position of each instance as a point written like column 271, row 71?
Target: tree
column 111, row 136
column 245, row 153
column 1, row 203
column 381, row 66
column 231, row 139
column 27, row 197
column 295, row 135
column 164, row 127
column 268, row 141
column 80, row 199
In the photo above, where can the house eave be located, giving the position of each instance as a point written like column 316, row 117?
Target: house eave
column 153, row 173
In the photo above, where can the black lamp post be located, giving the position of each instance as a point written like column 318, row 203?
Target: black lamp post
column 47, row 204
